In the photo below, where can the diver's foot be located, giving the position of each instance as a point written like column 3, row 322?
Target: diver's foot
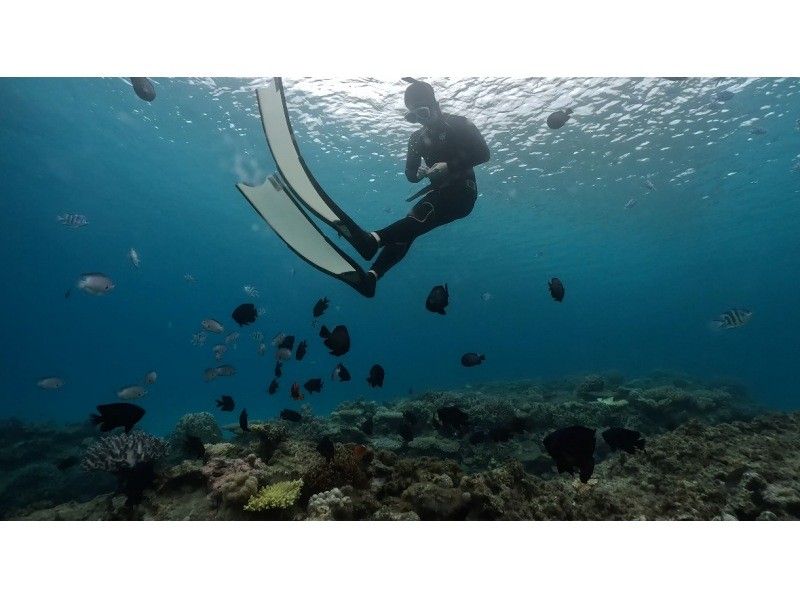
column 365, row 243
column 368, row 284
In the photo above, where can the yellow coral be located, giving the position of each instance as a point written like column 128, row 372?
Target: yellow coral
column 275, row 496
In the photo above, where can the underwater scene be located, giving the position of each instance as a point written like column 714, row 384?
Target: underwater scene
column 410, row 299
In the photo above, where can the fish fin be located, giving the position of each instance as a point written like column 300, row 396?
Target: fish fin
column 586, row 470
column 715, row 325
column 95, row 419
column 324, row 332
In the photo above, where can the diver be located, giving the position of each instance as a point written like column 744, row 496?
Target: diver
column 451, row 147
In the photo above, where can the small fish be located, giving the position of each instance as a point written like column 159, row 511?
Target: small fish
column 150, row 378
column 199, row 339
column 245, row 314
column 130, row 393
column 469, row 360
column 367, row 426
column 257, row 336
column 438, row 299
column 117, row 415
column 226, row 403
column 758, row 131
column 623, row 439
column 72, row 220
column 301, row 350
column 313, row 385
column 558, row 119
column 243, row 420
column 337, row 341
column 278, row 369
column 326, row 449
column 556, row 289
column 287, row 343
column 67, row 463
column 273, row 387
column 278, row 339
column 571, row 448
column 340, row 373
column 143, row 88
column 451, row 419
column 93, row 283
column 295, row 393
column 283, row 354
column 193, row 447
column 212, row 325
column 320, row 307
column 232, row 338
column 631, row 202
column 219, row 351
column 733, row 318
column 209, row 374
column 133, row 256
column 262, row 349
column 487, row 296
column 291, row 416
column 250, row 291
column 376, row 375
column 261, row 311
column 51, row 383
column 649, row 184
column 225, row 370
column 189, row 278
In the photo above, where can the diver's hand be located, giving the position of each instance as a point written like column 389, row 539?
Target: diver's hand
column 437, row 172
column 422, row 172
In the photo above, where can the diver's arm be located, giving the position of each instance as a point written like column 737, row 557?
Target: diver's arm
column 472, row 149
column 414, row 172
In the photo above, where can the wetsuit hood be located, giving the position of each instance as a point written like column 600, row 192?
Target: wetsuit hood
column 419, row 93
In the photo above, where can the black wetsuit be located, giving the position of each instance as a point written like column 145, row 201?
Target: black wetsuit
column 456, row 141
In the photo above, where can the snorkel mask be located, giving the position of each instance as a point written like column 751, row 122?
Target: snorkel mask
column 420, row 114
column 420, row 101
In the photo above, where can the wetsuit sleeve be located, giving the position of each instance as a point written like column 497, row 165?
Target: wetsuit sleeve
column 472, row 149
column 413, row 160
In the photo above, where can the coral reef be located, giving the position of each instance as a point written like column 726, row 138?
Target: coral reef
column 280, row 495
column 711, row 454
column 200, row 425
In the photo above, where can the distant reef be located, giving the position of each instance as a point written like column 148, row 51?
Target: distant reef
column 476, row 453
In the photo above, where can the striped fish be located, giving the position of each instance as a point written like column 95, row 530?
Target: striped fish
column 733, row 318
column 73, row 220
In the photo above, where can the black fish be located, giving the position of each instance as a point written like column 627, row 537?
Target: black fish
column 451, row 420
column 278, row 369
column 340, row 373
column 313, row 385
column 478, row 436
column 243, row 420
column 144, row 88
column 117, row 415
column 438, row 299
column 326, row 448
column 320, row 307
column 273, row 386
column 558, row 118
column 571, row 448
column 367, row 426
column 287, row 343
column 301, row 350
column 291, row 416
column 469, row 360
column 556, row 289
column 226, row 403
column 194, row 447
column 337, row 341
column 245, row 314
column 623, row 439
column 376, row 375
column 67, row 462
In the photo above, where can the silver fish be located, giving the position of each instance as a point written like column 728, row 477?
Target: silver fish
column 278, row 339
column 150, row 377
column 225, row 370
column 250, row 291
column 649, row 184
column 257, row 336
column 93, row 283
column 52, row 383
column 219, row 351
column 199, row 339
column 262, row 348
column 133, row 256
column 733, row 318
column 189, row 278
column 212, row 325
column 487, row 296
column 631, row 202
column 131, row 392
column 283, row 354
column 72, row 220
column 232, row 338
column 209, row 374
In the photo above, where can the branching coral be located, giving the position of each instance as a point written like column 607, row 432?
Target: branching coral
column 329, row 506
column 280, row 495
column 202, row 425
column 233, row 481
column 123, row 451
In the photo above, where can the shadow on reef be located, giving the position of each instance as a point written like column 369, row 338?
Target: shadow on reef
column 476, row 454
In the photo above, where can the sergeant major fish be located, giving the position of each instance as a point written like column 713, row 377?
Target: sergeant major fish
column 212, row 325
column 733, row 318
column 72, row 220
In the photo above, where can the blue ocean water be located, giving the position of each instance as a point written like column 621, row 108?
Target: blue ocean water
column 711, row 182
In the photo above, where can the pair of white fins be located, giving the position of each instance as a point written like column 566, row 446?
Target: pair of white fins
column 287, row 197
